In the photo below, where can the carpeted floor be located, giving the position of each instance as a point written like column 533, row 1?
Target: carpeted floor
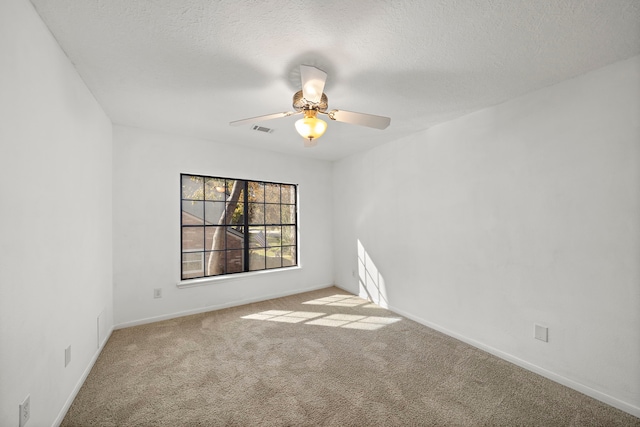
column 323, row 358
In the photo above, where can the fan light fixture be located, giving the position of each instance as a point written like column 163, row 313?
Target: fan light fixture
column 310, row 101
column 311, row 127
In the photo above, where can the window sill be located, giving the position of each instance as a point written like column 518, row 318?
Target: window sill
column 204, row 281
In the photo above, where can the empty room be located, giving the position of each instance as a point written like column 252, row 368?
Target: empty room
column 275, row 213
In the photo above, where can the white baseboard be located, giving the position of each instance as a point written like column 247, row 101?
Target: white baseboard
column 80, row 382
column 217, row 307
column 603, row 397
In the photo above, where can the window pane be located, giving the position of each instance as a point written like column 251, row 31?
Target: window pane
column 288, row 194
column 274, row 258
column 192, row 212
column 215, row 189
column 192, row 187
column 235, row 238
column 288, row 214
column 235, row 202
column 213, row 211
column 288, row 235
column 272, row 214
column 256, row 213
column 237, row 218
column 274, row 236
column 235, row 261
column 257, row 237
column 192, row 265
column 289, row 256
column 239, row 183
column 215, row 236
column 215, row 263
column 256, row 191
column 272, row 193
column 192, row 239
column 256, row 259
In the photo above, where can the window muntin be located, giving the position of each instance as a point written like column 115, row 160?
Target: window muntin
column 231, row 226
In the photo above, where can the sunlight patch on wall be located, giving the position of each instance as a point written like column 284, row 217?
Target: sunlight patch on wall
column 371, row 282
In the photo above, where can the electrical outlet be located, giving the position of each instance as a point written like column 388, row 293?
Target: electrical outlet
column 25, row 411
column 157, row 293
column 67, row 356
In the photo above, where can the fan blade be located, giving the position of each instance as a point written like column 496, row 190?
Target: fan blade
column 262, row 118
column 313, row 80
column 370, row 120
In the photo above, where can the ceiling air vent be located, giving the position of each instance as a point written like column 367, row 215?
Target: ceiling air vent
column 262, row 129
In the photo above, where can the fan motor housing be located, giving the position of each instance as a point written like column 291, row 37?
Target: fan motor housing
column 301, row 104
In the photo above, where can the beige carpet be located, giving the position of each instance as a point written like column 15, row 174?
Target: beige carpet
column 323, row 358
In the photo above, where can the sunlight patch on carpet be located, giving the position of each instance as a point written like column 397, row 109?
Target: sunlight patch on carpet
column 349, row 321
column 339, row 301
column 284, row 316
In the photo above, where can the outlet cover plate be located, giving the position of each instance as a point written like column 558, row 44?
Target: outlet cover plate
column 67, row 356
column 541, row 333
column 25, row 411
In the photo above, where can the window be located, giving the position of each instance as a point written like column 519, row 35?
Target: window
column 231, row 226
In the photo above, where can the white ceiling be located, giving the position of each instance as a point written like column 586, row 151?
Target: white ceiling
column 189, row 67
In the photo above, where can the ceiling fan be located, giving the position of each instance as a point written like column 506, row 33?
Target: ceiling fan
column 310, row 101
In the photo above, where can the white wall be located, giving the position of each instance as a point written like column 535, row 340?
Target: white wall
column 527, row 212
column 147, row 167
column 55, row 227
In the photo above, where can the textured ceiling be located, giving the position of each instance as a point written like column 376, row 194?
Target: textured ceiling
column 190, row 67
